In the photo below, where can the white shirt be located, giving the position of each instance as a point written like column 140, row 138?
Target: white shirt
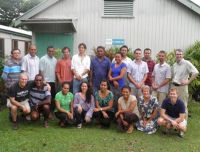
column 127, row 61
column 80, row 64
column 162, row 72
column 30, row 65
column 137, row 71
column 182, row 70
column 47, row 66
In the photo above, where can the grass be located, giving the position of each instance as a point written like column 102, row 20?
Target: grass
column 34, row 138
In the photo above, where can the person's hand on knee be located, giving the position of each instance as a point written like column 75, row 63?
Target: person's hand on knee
column 87, row 119
column 80, row 109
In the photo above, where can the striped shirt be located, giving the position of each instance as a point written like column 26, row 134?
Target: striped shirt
column 11, row 71
column 38, row 96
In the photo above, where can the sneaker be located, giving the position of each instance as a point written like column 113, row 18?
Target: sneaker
column 79, row 125
column 46, row 125
column 130, row 129
column 181, row 134
column 15, row 126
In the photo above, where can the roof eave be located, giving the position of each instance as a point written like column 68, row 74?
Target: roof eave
column 191, row 5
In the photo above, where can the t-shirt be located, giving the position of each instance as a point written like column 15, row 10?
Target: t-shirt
column 37, row 96
column 20, row 94
column 116, row 72
column 64, row 100
column 125, row 104
column 173, row 110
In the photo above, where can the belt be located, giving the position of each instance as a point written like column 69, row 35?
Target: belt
column 176, row 84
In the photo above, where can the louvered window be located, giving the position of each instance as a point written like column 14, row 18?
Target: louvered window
column 118, row 8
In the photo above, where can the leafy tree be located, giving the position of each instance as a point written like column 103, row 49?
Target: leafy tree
column 11, row 9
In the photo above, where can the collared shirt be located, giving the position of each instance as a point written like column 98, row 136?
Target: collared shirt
column 63, row 69
column 11, row 71
column 162, row 72
column 182, row 70
column 137, row 71
column 150, row 64
column 30, row 65
column 47, row 67
column 99, row 70
column 80, row 64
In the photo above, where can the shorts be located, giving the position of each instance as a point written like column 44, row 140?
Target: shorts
column 24, row 103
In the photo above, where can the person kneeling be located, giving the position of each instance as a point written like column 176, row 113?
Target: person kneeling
column 173, row 113
column 104, row 111
column 127, row 113
column 83, row 105
column 40, row 99
column 64, row 105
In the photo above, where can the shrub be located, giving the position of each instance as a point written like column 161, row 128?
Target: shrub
column 193, row 54
column 110, row 52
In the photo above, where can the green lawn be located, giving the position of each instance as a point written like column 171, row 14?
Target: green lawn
column 34, row 138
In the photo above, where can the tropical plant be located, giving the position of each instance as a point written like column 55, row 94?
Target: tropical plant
column 193, row 54
column 110, row 52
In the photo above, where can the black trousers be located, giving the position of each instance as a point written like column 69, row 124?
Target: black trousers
column 53, row 93
column 104, row 122
column 79, row 116
column 63, row 117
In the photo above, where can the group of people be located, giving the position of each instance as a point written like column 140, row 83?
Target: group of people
column 134, row 93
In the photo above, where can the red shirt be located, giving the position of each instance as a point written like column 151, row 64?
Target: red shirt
column 150, row 64
column 63, row 68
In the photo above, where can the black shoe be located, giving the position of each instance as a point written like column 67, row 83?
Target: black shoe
column 15, row 126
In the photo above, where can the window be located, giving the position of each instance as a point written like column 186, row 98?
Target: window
column 1, row 47
column 26, row 46
column 118, row 8
column 14, row 44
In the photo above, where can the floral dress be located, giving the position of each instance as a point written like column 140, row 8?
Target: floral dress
column 146, row 110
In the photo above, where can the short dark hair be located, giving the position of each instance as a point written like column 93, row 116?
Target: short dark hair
column 126, row 87
column 15, row 50
column 50, row 47
column 64, row 83
column 64, row 48
column 82, row 44
column 138, row 49
column 39, row 75
column 101, row 47
column 147, row 49
column 124, row 46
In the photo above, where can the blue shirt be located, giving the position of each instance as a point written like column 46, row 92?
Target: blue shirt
column 173, row 110
column 116, row 72
column 99, row 70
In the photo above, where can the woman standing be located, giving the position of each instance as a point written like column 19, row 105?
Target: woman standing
column 116, row 77
column 148, row 108
column 64, row 105
column 104, row 104
column 83, row 105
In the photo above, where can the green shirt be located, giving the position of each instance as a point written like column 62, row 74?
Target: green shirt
column 64, row 100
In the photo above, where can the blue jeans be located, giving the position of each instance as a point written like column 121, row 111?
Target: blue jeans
column 77, row 83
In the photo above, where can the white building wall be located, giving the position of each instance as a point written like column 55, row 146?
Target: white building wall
column 157, row 24
column 8, row 42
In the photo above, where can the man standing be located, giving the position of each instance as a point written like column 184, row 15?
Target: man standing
column 181, row 71
column 80, row 67
column 30, row 63
column 160, row 78
column 63, row 69
column 99, row 68
column 173, row 113
column 47, row 68
column 12, row 68
column 137, row 73
column 19, row 96
column 150, row 64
